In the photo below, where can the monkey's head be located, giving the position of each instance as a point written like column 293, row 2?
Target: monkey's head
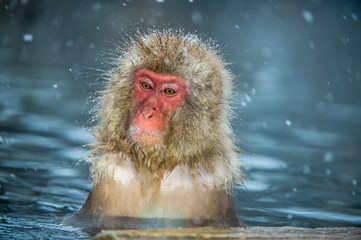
column 166, row 102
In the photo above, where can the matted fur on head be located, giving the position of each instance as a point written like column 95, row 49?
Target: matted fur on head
column 199, row 133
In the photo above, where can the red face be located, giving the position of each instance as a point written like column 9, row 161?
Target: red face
column 156, row 96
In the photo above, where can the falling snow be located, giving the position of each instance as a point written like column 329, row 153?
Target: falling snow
column 307, row 16
column 328, row 157
column 166, row 61
column 354, row 182
column 97, row 6
column 28, row 37
column 197, row 17
column 312, row 45
column 354, row 17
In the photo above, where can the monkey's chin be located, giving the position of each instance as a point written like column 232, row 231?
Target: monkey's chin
column 145, row 139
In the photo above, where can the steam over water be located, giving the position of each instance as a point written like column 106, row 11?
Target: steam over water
column 297, row 104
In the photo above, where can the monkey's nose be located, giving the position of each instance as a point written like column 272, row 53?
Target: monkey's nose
column 148, row 113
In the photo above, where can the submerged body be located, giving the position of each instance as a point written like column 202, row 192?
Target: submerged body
column 164, row 154
column 120, row 201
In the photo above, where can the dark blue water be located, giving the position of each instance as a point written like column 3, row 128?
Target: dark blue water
column 297, row 105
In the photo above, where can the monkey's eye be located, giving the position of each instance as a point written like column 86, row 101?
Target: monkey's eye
column 169, row 91
column 145, row 85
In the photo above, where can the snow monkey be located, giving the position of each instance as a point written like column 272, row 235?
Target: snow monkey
column 164, row 154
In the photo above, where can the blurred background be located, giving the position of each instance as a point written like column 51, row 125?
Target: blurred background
column 297, row 104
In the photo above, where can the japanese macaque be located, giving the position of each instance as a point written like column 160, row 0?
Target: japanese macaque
column 164, row 154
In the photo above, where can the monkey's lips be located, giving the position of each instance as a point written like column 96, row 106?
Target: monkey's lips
column 145, row 137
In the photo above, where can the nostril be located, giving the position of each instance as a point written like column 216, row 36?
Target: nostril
column 148, row 112
column 147, row 115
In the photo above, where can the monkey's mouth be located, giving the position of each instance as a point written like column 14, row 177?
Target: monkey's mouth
column 144, row 137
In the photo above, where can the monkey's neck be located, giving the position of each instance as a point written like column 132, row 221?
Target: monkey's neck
column 160, row 159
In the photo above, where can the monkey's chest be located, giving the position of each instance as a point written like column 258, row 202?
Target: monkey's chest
column 179, row 195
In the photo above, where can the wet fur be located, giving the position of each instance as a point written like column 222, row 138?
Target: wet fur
column 199, row 137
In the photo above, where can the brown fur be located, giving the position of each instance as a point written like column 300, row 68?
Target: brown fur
column 199, row 137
